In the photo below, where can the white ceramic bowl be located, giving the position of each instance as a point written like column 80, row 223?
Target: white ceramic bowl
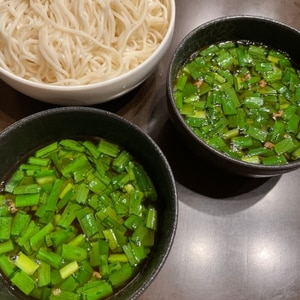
column 98, row 92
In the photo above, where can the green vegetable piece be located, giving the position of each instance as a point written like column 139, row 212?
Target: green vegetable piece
column 274, row 75
column 99, row 248
column 278, row 131
column 121, row 161
column 296, row 154
column 286, row 145
column 297, row 94
column 38, row 239
column 87, row 221
column 257, row 51
column 6, row 247
column 45, row 177
column 121, row 276
column 82, row 193
column 65, row 295
column 292, row 125
column 27, row 232
column 44, row 275
column 96, row 185
column 46, row 150
column 143, row 235
column 79, row 163
column 65, row 195
column 274, row 160
column 50, row 258
column 54, row 195
column 24, row 200
column 96, row 290
column 70, row 284
column 133, row 221
column 144, row 182
column 151, row 221
column 181, row 82
column 25, row 263
column 228, row 106
column 68, row 269
column 85, row 272
column 44, row 162
column 231, row 133
column 72, row 145
column 254, row 159
column 135, row 202
column 69, row 214
column 241, row 142
column 5, row 228
column 59, row 237
column 110, row 235
column 32, row 188
column 56, row 279
column 6, row 266
column 118, row 257
column 24, row 282
column 257, row 133
column 14, row 181
column 263, row 67
column 108, row 148
column 92, row 149
column 75, row 253
column 78, row 240
column 253, row 102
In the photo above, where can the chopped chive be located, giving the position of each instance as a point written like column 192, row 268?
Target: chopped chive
column 39, row 161
column 37, row 240
column 109, row 148
column 44, row 275
column 51, row 258
column 6, row 247
column 5, row 228
column 70, row 253
column 72, row 145
column 24, row 282
column 151, row 221
column 96, row 290
column 32, row 188
column 286, row 145
column 69, row 269
column 46, row 150
column 14, row 181
column 24, row 200
column 25, row 263
column 120, row 277
column 6, row 266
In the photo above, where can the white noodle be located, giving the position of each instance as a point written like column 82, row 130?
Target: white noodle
column 75, row 42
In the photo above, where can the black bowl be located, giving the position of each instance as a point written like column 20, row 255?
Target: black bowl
column 232, row 28
column 41, row 128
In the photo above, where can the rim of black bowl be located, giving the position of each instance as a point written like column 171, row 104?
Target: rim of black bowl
column 133, row 289
column 255, row 169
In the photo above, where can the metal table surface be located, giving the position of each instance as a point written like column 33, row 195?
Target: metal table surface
column 237, row 238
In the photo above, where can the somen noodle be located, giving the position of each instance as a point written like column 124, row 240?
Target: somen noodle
column 75, row 42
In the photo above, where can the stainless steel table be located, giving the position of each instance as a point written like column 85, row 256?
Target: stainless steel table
column 237, row 238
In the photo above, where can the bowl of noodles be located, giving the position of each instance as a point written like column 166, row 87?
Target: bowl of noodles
column 82, row 53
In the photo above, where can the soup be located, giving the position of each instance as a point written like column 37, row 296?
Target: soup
column 77, row 220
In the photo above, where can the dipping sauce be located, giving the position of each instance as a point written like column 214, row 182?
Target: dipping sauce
column 77, row 220
column 242, row 99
